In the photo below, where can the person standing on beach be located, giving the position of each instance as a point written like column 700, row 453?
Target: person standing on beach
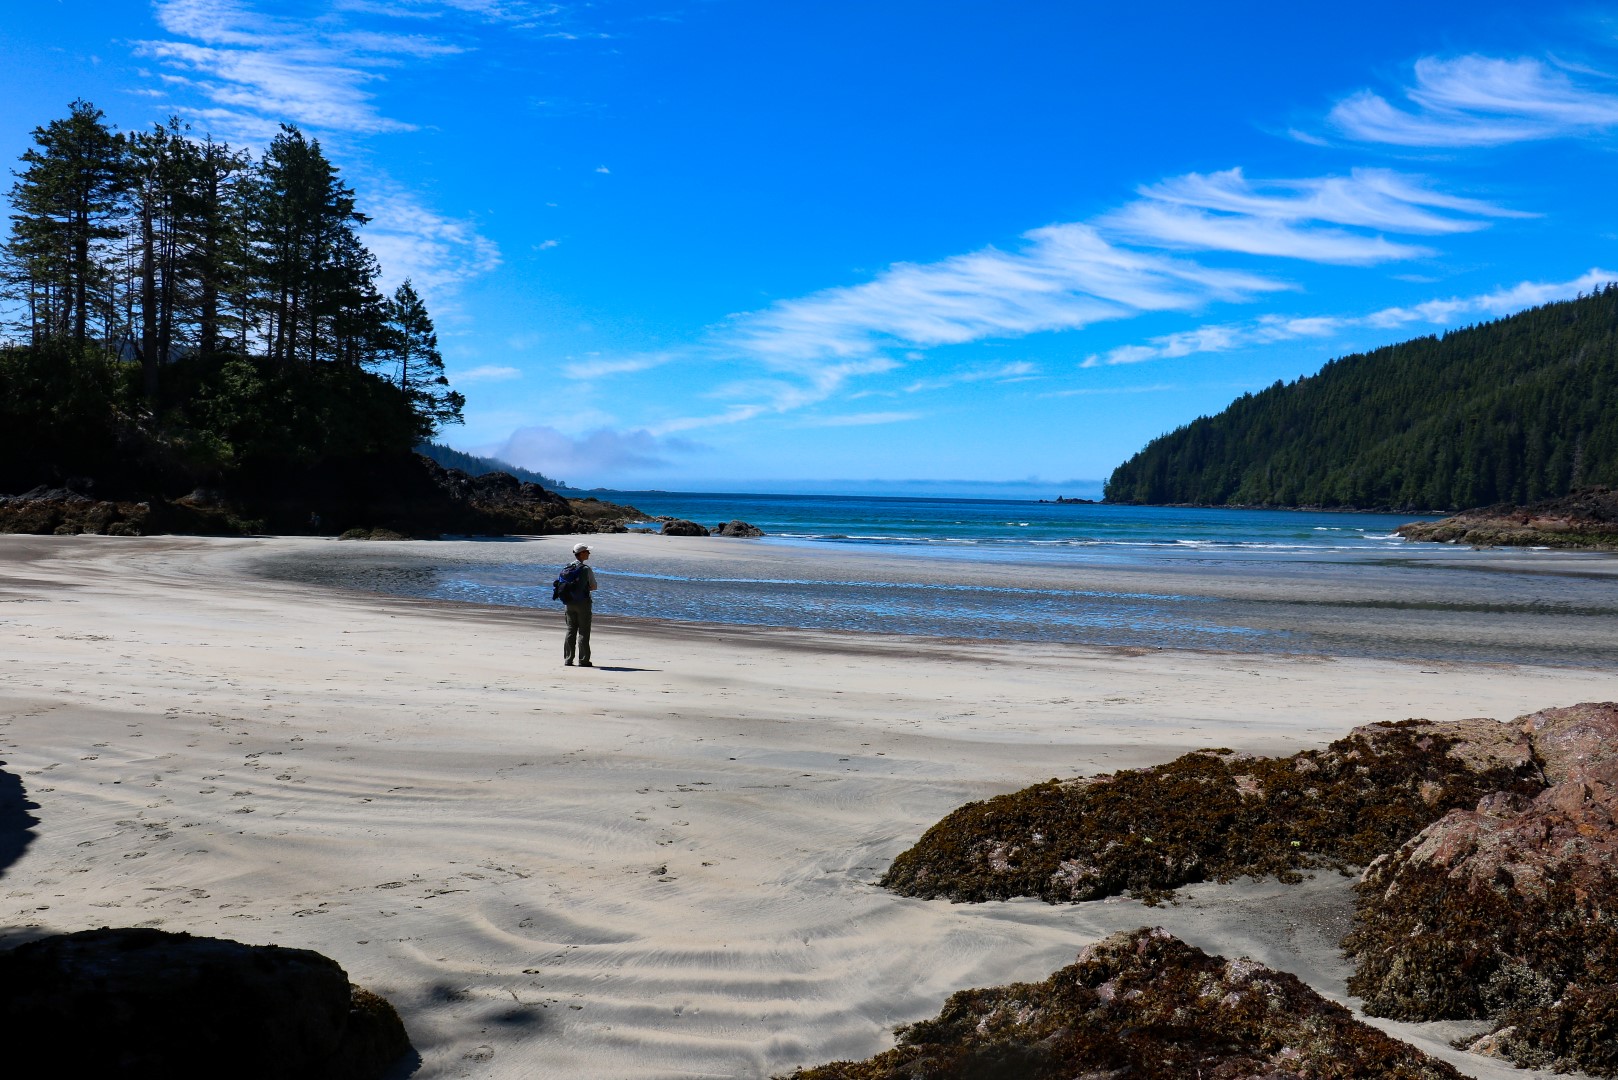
column 578, row 609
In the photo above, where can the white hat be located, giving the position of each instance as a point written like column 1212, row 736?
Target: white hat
column 580, row 547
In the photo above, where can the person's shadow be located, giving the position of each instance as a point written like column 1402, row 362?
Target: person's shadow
column 16, row 823
column 606, row 667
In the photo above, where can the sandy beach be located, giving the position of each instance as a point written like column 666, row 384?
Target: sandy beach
column 661, row 867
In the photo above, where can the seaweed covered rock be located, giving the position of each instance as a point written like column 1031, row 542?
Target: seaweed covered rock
column 1587, row 519
column 63, row 511
column 1216, row 815
column 1510, row 911
column 1144, row 1005
column 739, row 529
column 147, row 1003
column 682, row 527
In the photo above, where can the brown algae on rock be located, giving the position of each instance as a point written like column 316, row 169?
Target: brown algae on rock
column 1145, row 1005
column 1509, row 911
column 1216, row 815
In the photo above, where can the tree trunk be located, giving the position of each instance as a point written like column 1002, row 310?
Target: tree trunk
column 148, row 298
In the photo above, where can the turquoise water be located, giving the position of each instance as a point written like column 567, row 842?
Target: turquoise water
column 994, row 526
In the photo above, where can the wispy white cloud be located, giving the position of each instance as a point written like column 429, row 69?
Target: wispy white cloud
column 1503, row 301
column 257, row 65
column 1016, row 371
column 410, row 240
column 861, row 419
column 1479, row 101
column 486, row 373
column 595, row 368
column 604, row 450
column 1071, row 275
column 1310, row 219
column 1181, row 227
column 1091, row 391
column 511, row 12
column 1270, row 329
column 1371, row 198
column 254, row 67
column 1067, row 276
column 778, row 395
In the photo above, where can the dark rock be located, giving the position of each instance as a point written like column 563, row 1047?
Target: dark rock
column 737, row 528
column 682, row 527
column 44, row 511
column 1507, row 912
column 1215, row 815
column 1146, row 1006
column 405, row 495
column 1585, row 519
column 16, row 823
column 372, row 534
column 146, row 1003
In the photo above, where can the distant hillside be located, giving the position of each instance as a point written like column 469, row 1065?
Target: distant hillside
column 473, row 465
column 1512, row 411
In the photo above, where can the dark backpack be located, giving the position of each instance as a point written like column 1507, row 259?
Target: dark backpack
column 569, row 586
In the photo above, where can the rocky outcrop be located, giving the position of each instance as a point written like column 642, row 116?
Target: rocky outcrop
column 146, row 1003
column 43, row 511
column 1509, row 911
column 1491, row 854
column 1586, row 519
column 737, row 528
column 408, row 496
column 1146, row 1006
column 682, row 527
column 1216, row 815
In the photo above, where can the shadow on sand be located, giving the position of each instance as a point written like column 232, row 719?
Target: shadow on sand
column 16, row 823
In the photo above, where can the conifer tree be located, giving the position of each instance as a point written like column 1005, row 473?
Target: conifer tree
column 65, row 205
column 305, row 251
column 420, row 367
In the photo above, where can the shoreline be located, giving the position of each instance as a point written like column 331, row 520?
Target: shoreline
column 1499, row 607
column 662, row 867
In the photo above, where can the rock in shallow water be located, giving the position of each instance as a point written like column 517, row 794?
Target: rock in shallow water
column 147, row 1003
column 1146, row 1006
column 682, row 527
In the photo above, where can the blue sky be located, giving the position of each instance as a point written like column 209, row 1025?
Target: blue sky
column 894, row 247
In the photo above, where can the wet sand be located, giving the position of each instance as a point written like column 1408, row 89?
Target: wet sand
column 661, row 867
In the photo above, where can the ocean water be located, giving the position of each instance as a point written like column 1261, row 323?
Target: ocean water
column 989, row 527
column 1264, row 581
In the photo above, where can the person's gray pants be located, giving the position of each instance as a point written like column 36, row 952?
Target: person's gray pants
column 578, row 632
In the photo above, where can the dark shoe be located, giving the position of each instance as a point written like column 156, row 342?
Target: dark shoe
column 567, row 663
column 585, row 663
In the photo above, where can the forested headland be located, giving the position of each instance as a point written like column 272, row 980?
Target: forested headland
column 1517, row 410
column 197, row 334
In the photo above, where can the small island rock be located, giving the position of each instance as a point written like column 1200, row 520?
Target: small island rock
column 682, row 527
